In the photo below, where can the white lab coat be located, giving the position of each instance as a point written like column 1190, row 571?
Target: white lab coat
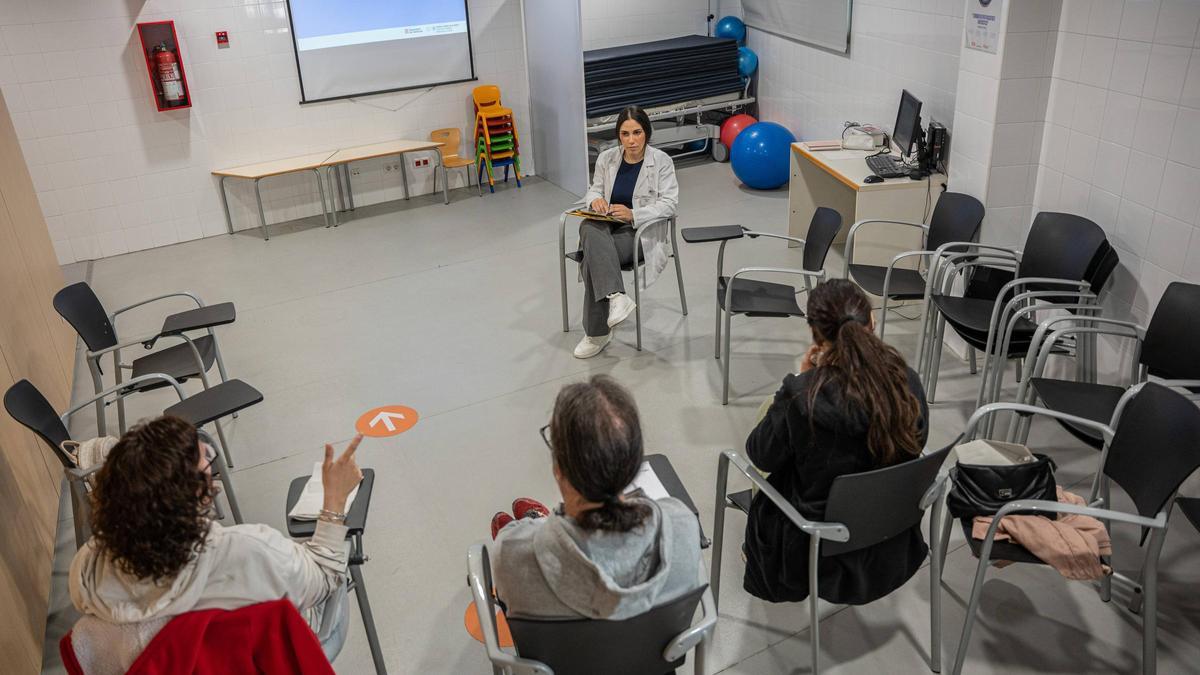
column 655, row 196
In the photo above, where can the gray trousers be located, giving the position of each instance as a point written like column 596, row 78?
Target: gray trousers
column 606, row 247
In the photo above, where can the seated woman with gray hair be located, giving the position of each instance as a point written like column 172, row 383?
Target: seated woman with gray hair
column 602, row 554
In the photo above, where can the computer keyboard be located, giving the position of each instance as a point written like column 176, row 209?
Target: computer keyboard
column 886, row 166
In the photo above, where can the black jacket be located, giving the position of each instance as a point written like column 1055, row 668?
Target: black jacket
column 804, row 451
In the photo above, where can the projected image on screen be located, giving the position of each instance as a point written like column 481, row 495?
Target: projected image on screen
column 370, row 46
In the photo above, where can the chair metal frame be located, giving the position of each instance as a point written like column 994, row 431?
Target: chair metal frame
column 93, row 361
column 923, row 254
column 818, row 530
column 637, row 256
column 79, row 480
column 479, row 578
column 1006, row 313
column 721, row 342
column 1098, row 506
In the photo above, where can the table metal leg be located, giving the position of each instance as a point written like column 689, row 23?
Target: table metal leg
column 336, row 176
column 445, row 179
column 349, row 185
column 321, row 193
column 404, row 175
column 225, row 205
column 262, row 216
column 332, row 207
column 364, row 608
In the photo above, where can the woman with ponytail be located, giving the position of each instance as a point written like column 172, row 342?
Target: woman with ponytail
column 602, row 554
column 855, row 406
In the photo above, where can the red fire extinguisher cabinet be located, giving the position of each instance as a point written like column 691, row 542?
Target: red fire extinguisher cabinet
column 152, row 35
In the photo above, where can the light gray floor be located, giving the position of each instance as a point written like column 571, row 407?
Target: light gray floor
column 454, row 310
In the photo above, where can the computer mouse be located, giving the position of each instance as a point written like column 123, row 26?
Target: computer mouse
column 873, row 179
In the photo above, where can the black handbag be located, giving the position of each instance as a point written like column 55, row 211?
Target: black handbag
column 981, row 490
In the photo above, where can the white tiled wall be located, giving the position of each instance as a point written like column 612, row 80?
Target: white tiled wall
column 999, row 119
column 1121, row 141
column 894, row 45
column 609, row 23
column 114, row 175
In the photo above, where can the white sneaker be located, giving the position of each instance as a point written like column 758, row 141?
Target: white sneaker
column 591, row 346
column 619, row 308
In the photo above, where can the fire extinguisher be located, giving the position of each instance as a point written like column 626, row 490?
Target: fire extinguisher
column 167, row 66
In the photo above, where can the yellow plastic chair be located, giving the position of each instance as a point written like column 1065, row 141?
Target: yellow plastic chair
column 450, row 140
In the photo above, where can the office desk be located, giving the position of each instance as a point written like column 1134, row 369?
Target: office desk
column 834, row 178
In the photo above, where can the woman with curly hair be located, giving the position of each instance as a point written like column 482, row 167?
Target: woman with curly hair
column 157, row 552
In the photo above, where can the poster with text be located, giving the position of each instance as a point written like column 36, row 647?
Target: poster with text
column 983, row 25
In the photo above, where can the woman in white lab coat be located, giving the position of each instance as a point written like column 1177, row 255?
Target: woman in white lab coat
column 634, row 183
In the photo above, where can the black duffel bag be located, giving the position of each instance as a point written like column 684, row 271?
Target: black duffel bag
column 982, row 489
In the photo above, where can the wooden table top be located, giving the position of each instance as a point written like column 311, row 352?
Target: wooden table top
column 276, row 167
column 383, row 149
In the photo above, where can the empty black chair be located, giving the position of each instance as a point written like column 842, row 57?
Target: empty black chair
column 653, row 643
column 1154, row 447
column 956, row 217
column 1166, row 349
column 864, row 509
column 1190, row 507
column 26, row 404
column 1065, row 262
column 639, row 258
column 192, row 357
column 752, row 297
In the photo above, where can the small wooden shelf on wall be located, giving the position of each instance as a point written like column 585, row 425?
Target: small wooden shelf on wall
column 164, row 65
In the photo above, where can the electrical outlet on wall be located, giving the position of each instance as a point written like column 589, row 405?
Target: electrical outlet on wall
column 353, row 172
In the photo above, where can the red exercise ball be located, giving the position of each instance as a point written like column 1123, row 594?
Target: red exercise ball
column 733, row 126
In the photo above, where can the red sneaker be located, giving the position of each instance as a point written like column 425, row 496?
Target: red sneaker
column 525, row 507
column 499, row 521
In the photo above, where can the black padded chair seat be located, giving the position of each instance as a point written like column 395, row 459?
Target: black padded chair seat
column 1190, row 506
column 215, row 402
column 905, row 284
column 178, row 361
column 577, row 256
column 973, row 316
column 759, row 298
column 1090, row 401
column 1001, row 550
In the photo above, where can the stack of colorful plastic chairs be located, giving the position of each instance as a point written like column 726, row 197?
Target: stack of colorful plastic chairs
column 496, row 143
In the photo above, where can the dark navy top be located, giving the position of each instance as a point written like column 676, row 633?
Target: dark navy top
column 622, row 192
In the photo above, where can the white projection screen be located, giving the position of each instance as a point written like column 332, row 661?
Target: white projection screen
column 356, row 47
column 824, row 23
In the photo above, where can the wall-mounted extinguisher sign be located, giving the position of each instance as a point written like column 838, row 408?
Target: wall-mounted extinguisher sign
column 166, row 68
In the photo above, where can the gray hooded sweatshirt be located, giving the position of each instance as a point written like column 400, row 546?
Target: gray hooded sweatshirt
column 553, row 568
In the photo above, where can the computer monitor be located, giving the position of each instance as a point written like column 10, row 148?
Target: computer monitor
column 908, row 122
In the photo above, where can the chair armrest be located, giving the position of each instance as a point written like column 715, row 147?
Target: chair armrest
column 147, row 301
column 755, row 234
column 684, row 642
column 1042, row 505
column 849, row 250
column 122, row 345
column 479, row 578
column 701, row 235
column 1045, row 337
column 831, row 531
column 651, row 223
column 1025, row 410
column 117, row 388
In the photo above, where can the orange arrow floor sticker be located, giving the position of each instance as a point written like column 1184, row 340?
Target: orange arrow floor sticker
column 388, row 420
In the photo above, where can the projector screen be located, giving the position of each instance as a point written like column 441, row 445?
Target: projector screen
column 356, row 47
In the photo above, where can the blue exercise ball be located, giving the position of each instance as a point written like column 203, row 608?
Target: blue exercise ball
column 760, row 155
column 747, row 61
column 731, row 27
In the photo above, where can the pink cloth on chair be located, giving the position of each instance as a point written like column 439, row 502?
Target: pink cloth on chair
column 1072, row 544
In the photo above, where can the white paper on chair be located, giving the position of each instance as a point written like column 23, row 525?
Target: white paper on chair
column 308, row 507
column 648, row 482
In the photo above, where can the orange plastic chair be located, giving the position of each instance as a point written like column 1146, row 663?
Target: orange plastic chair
column 451, row 139
column 487, row 102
